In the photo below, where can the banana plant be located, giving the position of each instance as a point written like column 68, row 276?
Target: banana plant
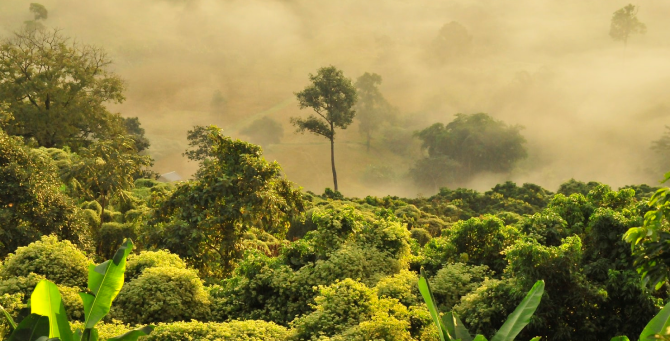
column 450, row 327
column 48, row 320
column 657, row 329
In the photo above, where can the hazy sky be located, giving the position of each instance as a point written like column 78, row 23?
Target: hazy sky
column 590, row 108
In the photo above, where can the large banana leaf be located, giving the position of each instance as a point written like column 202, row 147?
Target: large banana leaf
column 133, row 334
column 455, row 327
column 32, row 328
column 424, row 289
column 8, row 317
column 520, row 317
column 46, row 301
column 105, row 281
column 658, row 325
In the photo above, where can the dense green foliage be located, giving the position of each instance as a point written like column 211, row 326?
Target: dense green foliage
column 56, row 89
column 31, row 203
column 235, row 189
column 240, row 253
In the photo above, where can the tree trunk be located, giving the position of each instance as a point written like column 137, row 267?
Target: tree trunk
column 332, row 160
column 102, row 212
column 368, row 142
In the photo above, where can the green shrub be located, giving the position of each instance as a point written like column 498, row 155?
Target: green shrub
column 339, row 306
column 111, row 236
column 146, row 183
column 437, row 253
column 151, row 259
column 58, row 261
column 92, row 205
column 420, row 235
column 105, row 330
column 133, row 216
column 12, row 304
column 486, row 308
column 301, row 225
column 263, row 288
column 368, row 265
column 380, row 327
column 231, row 331
column 401, row 286
column 15, row 292
column 74, row 306
column 91, row 217
column 162, row 294
column 456, row 280
column 386, row 235
column 481, row 241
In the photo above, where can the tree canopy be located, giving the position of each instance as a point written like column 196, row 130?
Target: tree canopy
column 264, row 131
column 372, row 109
column 56, row 89
column 477, row 143
column 625, row 23
column 31, row 203
column 332, row 96
column 235, row 190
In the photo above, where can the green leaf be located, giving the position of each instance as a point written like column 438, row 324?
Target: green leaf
column 537, row 338
column 46, row 301
column 133, row 334
column 105, row 281
column 480, row 337
column 9, row 318
column 658, row 325
column 520, row 317
column 620, row 338
column 424, row 289
column 31, row 328
column 455, row 327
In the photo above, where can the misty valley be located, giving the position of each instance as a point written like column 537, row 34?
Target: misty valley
column 303, row 170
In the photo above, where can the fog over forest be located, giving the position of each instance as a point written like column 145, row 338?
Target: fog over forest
column 590, row 106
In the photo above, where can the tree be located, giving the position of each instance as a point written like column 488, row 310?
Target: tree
column 31, row 203
column 56, row 89
column 332, row 97
column 106, row 169
column 264, row 131
column 372, row 109
column 234, row 190
column 39, row 13
column 452, row 42
column 625, row 23
column 661, row 148
column 477, row 142
column 136, row 132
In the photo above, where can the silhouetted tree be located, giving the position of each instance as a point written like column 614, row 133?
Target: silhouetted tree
column 332, row 97
column 264, row 131
column 625, row 22
column 372, row 109
column 476, row 143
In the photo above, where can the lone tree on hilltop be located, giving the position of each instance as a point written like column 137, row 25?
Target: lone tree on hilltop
column 332, row 96
column 625, row 22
